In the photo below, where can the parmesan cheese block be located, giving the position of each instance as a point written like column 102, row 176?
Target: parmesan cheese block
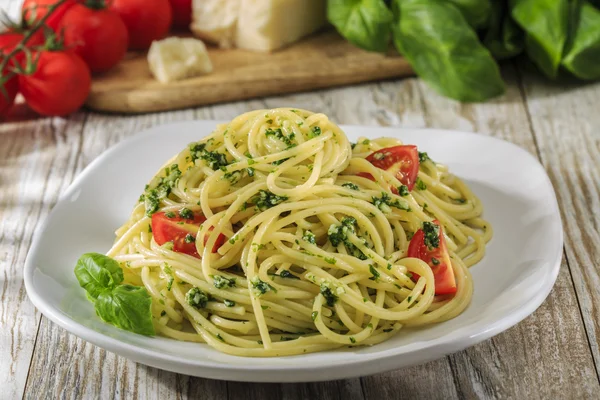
column 174, row 58
column 260, row 25
column 215, row 21
column 267, row 25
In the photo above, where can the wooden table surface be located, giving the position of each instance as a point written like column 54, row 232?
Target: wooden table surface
column 554, row 353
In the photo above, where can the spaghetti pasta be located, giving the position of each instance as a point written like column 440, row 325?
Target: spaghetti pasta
column 276, row 236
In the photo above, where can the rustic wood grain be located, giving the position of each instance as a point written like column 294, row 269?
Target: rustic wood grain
column 319, row 61
column 566, row 121
column 37, row 162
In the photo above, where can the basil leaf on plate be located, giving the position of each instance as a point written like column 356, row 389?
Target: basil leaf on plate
column 582, row 58
column 445, row 51
column 546, row 25
column 364, row 23
column 127, row 307
column 97, row 273
column 476, row 12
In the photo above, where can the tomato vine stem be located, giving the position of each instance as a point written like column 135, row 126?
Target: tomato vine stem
column 21, row 45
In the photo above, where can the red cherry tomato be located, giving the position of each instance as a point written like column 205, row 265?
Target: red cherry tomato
column 11, row 38
column 146, row 21
column 59, row 85
column 97, row 35
column 34, row 10
column 182, row 13
column 401, row 161
column 8, row 94
column 176, row 229
column 8, row 41
column 436, row 256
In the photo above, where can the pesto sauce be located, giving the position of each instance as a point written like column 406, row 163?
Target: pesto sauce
column 330, row 297
column 385, row 202
column 432, row 235
column 152, row 197
column 221, row 282
column 266, row 200
column 196, row 298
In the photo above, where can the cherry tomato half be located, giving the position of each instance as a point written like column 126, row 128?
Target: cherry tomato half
column 181, row 231
column 422, row 246
column 402, row 161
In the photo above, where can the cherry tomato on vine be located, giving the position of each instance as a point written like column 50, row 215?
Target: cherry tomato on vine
column 11, row 38
column 58, row 85
column 9, row 87
column 182, row 13
column 8, row 92
column 97, row 34
column 34, row 10
column 146, row 21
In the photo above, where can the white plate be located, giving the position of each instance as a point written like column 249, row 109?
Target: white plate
column 513, row 279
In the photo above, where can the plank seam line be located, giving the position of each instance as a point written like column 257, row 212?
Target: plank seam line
column 362, row 388
column 564, row 252
column 455, row 378
column 37, row 335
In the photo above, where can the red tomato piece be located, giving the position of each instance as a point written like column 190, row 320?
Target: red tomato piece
column 59, row 85
column 177, row 228
column 402, row 161
column 437, row 258
column 146, row 21
column 35, row 10
column 98, row 35
column 182, row 13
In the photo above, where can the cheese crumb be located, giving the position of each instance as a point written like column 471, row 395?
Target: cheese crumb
column 174, row 58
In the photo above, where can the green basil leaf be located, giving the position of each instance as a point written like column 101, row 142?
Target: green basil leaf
column 364, row 23
column 127, row 307
column 476, row 12
column 97, row 273
column 582, row 58
column 504, row 39
column 546, row 25
column 445, row 51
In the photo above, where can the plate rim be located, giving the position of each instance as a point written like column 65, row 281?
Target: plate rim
column 286, row 373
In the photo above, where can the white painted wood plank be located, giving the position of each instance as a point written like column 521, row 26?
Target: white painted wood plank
column 37, row 162
column 566, row 123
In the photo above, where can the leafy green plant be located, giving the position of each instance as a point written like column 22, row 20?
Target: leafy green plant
column 124, row 306
column 443, row 49
column 476, row 12
column 545, row 23
column 582, row 59
column 503, row 38
column 454, row 45
column 365, row 23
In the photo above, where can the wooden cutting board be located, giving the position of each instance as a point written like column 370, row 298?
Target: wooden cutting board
column 320, row 61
